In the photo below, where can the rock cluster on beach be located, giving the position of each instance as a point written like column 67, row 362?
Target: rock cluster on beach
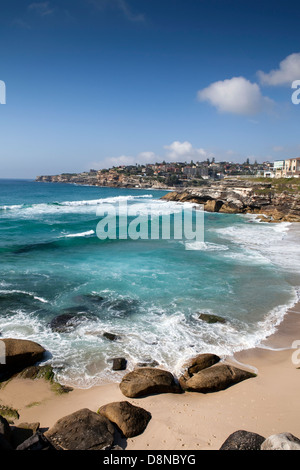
column 89, row 430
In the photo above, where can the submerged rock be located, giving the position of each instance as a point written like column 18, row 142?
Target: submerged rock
column 210, row 318
column 62, row 323
column 131, row 420
column 66, row 321
column 82, row 430
column 148, row 381
column 89, row 297
column 111, row 336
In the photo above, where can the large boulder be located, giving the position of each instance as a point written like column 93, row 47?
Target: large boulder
column 148, row 381
column 195, row 364
column 243, row 440
column 283, row 441
column 19, row 354
column 215, row 378
column 82, row 430
column 131, row 420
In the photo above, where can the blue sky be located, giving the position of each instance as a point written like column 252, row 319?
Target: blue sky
column 96, row 83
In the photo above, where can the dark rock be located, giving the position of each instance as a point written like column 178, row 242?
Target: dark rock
column 215, row 378
column 131, row 420
column 5, row 430
column 148, row 381
column 111, row 336
column 122, row 308
column 283, row 441
column 22, row 432
column 90, row 297
column 66, row 321
column 82, row 430
column 20, row 354
column 243, row 440
column 119, row 363
column 209, row 318
column 36, row 442
column 4, row 444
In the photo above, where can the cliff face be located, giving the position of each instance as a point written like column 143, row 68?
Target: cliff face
column 240, row 197
column 109, row 178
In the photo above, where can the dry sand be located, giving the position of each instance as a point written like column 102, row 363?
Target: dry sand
column 267, row 404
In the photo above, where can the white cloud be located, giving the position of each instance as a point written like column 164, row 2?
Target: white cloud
column 181, row 151
column 176, row 152
column 41, row 8
column 288, row 71
column 141, row 158
column 236, row 95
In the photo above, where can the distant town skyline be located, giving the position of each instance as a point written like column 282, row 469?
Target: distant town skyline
column 102, row 83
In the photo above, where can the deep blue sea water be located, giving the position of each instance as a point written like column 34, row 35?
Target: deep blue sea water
column 152, row 290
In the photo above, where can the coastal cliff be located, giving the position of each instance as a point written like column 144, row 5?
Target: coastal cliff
column 278, row 201
column 111, row 178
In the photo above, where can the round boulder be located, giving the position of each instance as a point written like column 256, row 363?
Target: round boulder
column 19, row 354
column 131, row 420
column 215, row 378
column 243, row 440
column 148, row 381
column 82, row 430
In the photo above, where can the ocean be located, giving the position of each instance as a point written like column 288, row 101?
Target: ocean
column 148, row 293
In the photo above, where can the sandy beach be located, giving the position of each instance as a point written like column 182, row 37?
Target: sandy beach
column 267, row 404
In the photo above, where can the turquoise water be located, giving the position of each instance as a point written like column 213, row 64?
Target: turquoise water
column 152, row 291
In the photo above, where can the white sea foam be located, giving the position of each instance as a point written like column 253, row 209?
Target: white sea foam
column 15, row 291
column 67, row 207
column 205, row 246
column 263, row 242
column 82, row 234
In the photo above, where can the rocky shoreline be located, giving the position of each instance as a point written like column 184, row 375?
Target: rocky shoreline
column 268, row 201
column 109, row 178
column 113, row 422
column 277, row 201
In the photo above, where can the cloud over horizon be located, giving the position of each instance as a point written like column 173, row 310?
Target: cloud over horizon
column 176, row 152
